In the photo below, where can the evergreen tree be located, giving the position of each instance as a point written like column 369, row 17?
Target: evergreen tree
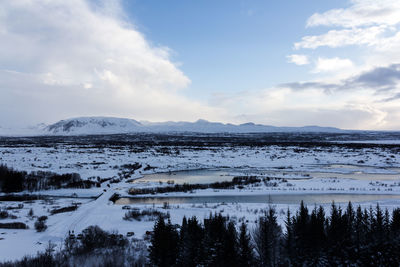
column 377, row 224
column 349, row 238
column 164, row 244
column 289, row 245
column 267, row 238
column 246, row 254
column 395, row 223
column 230, row 248
column 317, row 232
column 191, row 250
column 301, row 235
column 214, row 240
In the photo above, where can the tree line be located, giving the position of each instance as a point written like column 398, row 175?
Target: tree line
column 239, row 181
column 16, row 181
column 349, row 237
column 345, row 237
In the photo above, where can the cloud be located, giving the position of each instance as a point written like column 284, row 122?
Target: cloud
column 298, row 59
column 366, row 32
column 379, row 79
column 360, row 13
column 347, row 117
column 80, row 58
column 354, row 108
column 392, row 98
column 338, row 38
column 332, row 64
column 296, row 86
column 370, row 23
column 73, row 58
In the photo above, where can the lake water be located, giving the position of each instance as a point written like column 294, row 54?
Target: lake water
column 205, row 176
column 273, row 199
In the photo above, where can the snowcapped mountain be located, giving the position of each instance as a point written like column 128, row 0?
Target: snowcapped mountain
column 110, row 125
column 94, row 125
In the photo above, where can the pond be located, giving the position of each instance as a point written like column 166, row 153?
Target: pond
column 206, row 176
column 203, row 176
column 273, row 199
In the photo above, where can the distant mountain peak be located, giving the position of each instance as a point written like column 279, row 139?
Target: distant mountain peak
column 94, row 125
column 248, row 124
column 202, row 121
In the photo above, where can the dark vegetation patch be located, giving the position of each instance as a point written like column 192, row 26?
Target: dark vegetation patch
column 115, row 197
column 127, row 170
column 14, row 225
column 16, row 181
column 239, row 181
column 25, row 197
column 148, row 214
column 148, row 168
column 93, row 238
column 40, row 224
column 4, row 214
column 64, row 209
column 140, row 142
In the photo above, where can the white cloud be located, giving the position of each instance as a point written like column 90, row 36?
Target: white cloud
column 366, row 91
column 337, row 38
column 371, row 23
column 332, row 64
column 298, row 59
column 71, row 58
column 354, row 109
column 360, row 13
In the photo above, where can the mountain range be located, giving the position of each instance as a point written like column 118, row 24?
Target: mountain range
column 112, row 125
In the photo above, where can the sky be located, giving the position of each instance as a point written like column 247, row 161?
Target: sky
column 283, row 63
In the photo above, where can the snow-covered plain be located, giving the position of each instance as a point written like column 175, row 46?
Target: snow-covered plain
column 293, row 169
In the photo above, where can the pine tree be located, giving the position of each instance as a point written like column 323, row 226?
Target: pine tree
column 230, row 247
column 267, row 239
column 215, row 228
column 386, row 224
column 301, row 234
column 164, row 244
column 395, row 223
column 246, row 254
column 317, row 232
column 289, row 245
column 349, row 220
column 191, row 249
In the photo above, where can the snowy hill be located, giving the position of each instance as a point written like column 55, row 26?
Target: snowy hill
column 110, row 125
column 94, row 125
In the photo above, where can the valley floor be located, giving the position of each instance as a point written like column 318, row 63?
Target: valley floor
column 346, row 172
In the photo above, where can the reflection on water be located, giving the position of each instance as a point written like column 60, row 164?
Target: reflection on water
column 274, row 199
column 205, row 176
